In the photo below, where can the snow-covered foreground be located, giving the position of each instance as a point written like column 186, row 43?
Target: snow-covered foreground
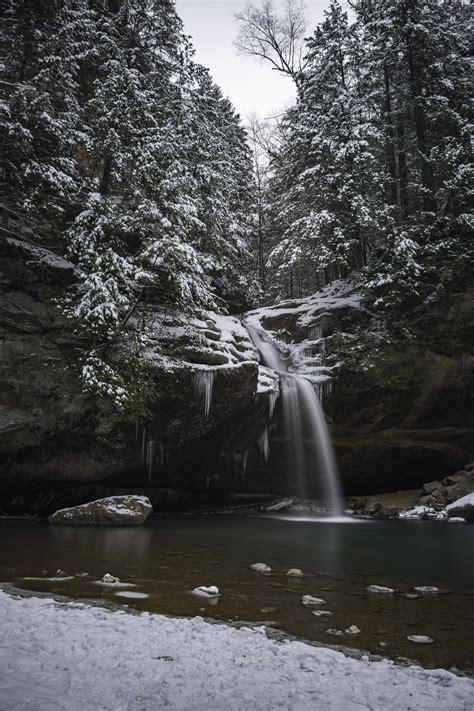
column 72, row 656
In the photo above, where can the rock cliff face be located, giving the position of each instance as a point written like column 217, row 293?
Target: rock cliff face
column 52, row 434
column 401, row 411
column 401, row 407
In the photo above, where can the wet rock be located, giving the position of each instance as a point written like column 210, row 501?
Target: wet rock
column 61, row 574
column 420, row 639
column 203, row 591
column 295, row 573
column 427, row 590
column 336, row 633
column 112, row 511
column 322, row 613
column 281, row 505
column 432, row 486
column 309, row 600
column 411, row 596
column 380, row 590
column 463, row 507
column 353, row 629
column 261, row 568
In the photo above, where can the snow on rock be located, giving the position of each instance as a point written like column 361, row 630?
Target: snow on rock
column 203, row 591
column 129, row 510
column 295, row 573
column 69, row 657
column 423, row 512
column 261, row 567
column 310, row 600
column 427, row 590
column 380, row 590
column 463, row 507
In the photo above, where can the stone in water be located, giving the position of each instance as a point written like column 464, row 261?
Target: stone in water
column 427, row 589
column 353, row 629
column 420, row 639
column 379, row 589
column 203, row 591
column 261, row 567
column 295, row 573
column 336, row 633
column 110, row 579
column 322, row 613
column 309, row 600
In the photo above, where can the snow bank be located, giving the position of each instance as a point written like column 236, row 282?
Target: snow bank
column 71, row 657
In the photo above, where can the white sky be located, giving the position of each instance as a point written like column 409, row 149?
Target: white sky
column 250, row 85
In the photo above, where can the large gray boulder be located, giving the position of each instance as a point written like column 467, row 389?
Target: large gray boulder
column 113, row 511
column 463, row 508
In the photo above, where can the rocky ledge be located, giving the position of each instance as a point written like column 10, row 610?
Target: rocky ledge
column 113, row 511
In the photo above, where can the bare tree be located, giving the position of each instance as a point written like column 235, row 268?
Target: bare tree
column 273, row 37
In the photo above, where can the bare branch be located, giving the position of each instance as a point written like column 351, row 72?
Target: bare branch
column 274, row 38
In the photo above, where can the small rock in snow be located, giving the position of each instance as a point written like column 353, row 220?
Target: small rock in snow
column 419, row 639
column 110, row 579
column 309, row 600
column 380, row 589
column 322, row 613
column 336, row 633
column 295, row 573
column 203, row 591
column 261, row 567
column 353, row 629
column 427, row 590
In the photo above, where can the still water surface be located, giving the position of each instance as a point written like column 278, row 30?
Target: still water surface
column 170, row 556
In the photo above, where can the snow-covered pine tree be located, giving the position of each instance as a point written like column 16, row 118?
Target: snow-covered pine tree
column 329, row 178
column 134, row 164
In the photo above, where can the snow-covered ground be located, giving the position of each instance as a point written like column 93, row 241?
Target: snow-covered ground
column 74, row 657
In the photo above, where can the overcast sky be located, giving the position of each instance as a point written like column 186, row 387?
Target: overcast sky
column 250, row 85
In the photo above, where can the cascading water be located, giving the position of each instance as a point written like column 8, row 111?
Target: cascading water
column 304, row 422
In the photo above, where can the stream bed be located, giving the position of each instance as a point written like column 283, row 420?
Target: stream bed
column 168, row 557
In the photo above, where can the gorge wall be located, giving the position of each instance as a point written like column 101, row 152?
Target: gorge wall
column 400, row 409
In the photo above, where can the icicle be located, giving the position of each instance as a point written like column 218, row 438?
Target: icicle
column 143, row 445
column 272, row 400
column 149, row 458
column 203, row 382
column 264, row 445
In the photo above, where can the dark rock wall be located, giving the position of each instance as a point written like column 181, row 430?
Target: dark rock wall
column 406, row 420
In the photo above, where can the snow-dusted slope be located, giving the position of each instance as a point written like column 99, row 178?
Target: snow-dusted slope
column 71, row 657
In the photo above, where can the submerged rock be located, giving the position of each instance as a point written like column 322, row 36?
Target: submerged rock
column 420, row 639
column 112, row 511
column 295, row 573
column 309, row 600
column 261, row 567
column 380, row 590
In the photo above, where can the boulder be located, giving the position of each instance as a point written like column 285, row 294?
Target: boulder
column 112, row 511
column 431, row 486
column 463, row 507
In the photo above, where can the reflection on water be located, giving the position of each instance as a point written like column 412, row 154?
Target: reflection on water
column 169, row 557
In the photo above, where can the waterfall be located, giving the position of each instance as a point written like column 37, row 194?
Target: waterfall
column 304, row 422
